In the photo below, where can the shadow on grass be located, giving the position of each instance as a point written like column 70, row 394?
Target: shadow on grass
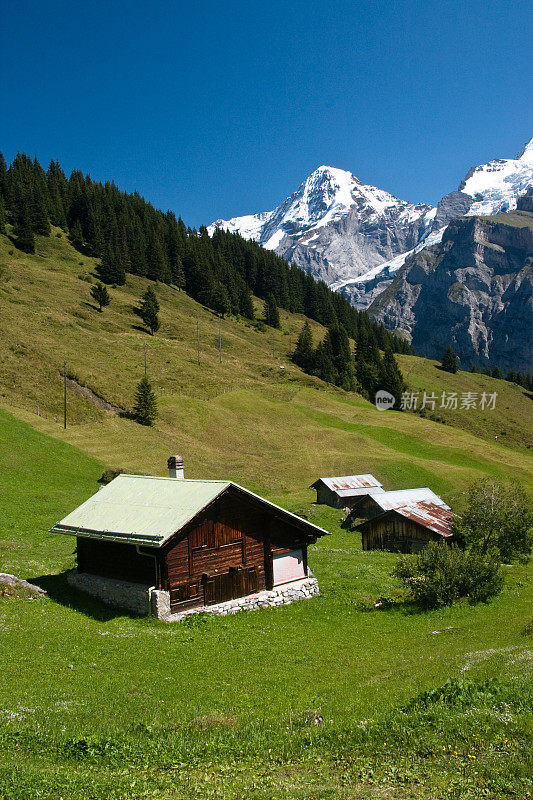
column 91, row 306
column 60, row 591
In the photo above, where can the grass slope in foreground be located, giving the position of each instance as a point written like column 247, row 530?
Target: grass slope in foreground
column 98, row 704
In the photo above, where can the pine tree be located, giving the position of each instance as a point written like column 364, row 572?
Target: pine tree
column 271, row 312
column 110, row 269
column 391, row 378
column 148, row 311
column 3, row 177
column 40, row 221
column 323, row 363
column 247, row 304
column 303, row 352
column 100, row 295
column 178, row 273
column 76, row 235
column 24, row 238
column 449, row 360
column 145, row 409
column 220, row 301
column 3, row 216
column 497, row 373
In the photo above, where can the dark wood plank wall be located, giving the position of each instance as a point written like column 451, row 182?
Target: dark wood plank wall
column 397, row 534
column 236, row 537
column 115, row 560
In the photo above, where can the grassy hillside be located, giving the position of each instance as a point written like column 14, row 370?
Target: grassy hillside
column 97, row 704
column 243, row 416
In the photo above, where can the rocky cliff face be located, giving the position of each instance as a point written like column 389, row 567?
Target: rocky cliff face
column 474, row 290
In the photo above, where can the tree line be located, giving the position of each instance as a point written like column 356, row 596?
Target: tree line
column 128, row 235
column 362, row 368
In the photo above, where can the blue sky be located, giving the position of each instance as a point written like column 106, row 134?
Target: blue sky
column 217, row 109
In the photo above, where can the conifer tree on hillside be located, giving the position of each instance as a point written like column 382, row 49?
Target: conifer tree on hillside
column 24, row 238
column 303, row 354
column 76, row 235
column 220, row 301
column 271, row 312
column 391, row 378
column 100, row 295
column 110, row 269
column 323, row 362
column 449, row 360
column 148, row 311
column 246, row 303
column 3, row 215
column 145, row 408
column 3, row 176
column 178, row 273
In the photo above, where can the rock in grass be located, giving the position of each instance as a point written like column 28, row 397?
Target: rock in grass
column 11, row 586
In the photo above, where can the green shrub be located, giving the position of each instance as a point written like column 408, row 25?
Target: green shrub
column 498, row 520
column 441, row 575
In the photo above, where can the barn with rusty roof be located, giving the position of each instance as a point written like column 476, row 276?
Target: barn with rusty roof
column 409, row 527
column 346, row 491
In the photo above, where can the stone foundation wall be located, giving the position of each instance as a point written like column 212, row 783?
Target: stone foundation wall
column 131, row 596
column 144, row 599
column 287, row 593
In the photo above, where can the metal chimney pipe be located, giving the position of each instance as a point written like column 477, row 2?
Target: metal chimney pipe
column 175, row 467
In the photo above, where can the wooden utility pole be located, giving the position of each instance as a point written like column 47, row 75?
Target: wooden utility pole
column 198, row 339
column 65, row 395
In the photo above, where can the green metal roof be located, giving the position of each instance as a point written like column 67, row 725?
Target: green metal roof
column 142, row 509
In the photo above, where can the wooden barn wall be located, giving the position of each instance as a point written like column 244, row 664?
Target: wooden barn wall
column 326, row 496
column 397, row 534
column 115, row 560
column 234, row 533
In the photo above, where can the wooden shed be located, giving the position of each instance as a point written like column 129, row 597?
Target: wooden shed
column 204, row 542
column 376, row 503
column 346, row 491
column 407, row 529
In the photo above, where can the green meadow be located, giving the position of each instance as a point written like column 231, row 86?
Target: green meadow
column 333, row 698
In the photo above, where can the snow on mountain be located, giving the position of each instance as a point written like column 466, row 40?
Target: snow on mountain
column 495, row 186
column 355, row 236
column 336, row 226
column 487, row 189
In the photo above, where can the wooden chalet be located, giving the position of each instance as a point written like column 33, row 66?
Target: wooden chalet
column 346, row 491
column 407, row 528
column 205, row 542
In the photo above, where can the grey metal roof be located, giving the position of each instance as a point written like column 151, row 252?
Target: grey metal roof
column 345, row 484
column 147, row 510
column 405, row 497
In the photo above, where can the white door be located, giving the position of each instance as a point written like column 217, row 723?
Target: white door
column 288, row 567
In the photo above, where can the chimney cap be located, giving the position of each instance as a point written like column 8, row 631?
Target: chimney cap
column 175, row 461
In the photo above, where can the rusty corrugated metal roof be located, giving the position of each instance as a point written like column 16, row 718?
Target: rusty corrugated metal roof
column 437, row 518
column 346, row 482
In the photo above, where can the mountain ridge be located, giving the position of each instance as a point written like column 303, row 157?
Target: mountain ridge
column 338, row 228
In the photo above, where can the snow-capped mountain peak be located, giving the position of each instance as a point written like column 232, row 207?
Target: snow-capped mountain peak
column 495, row 186
column 356, row 236
column 326, row 207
